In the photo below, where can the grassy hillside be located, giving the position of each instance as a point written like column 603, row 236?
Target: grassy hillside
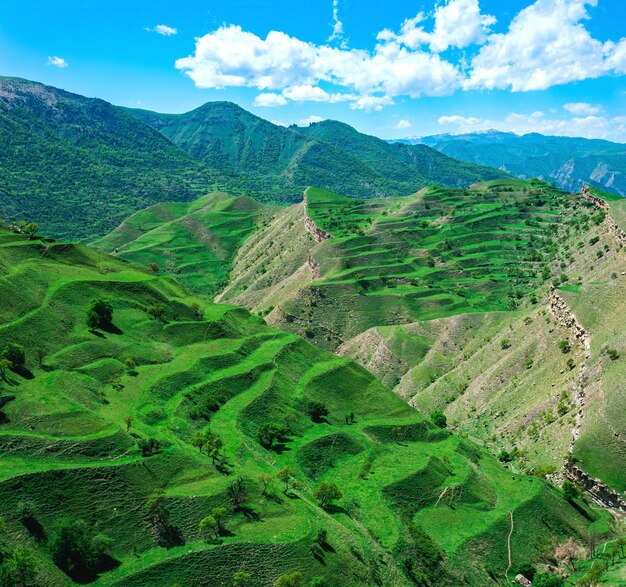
column 79, row 166
column 195, row 242
column 100, row 425
column 275, row 163
column 398, row 161
column 567, row 162
column 440, row 252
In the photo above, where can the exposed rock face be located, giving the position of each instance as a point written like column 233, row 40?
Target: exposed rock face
column 565, row 317
column 614, row 229
column 314, row 267
column 521, row 580
column 319, row 234
column 602, row 494
column 598, row 202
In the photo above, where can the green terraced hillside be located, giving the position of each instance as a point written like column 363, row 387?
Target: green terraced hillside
column 102, row 424
column 437, row 253
column 194, row 242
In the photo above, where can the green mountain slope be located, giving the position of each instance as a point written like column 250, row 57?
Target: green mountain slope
column 567, row 162
column 430, row 508
column 195, row 242
column 79, row 166
column 398, row 161
column 277, row 163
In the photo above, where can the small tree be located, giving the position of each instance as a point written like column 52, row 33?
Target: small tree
column 198, row 439
column 295, row 579
column 18, row 569
column 237, row 492
column 5, row 365
column 14, row 353
column 212, row 445
column 317, row 411
column 242, row 579
column 209, row 525
column 128, row 420
column 220, row 515
column 99, row 314
column 266, row 481
column 154, row 267
column 285, row 476
column 31, row 229
column 130, row 364
column 505, row 343
column 157, row 511
column 438, row 418
column 326, row 493
column 564, row 346
column 156, row 312
column 570, row 490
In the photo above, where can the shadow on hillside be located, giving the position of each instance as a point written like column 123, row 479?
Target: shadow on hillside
column 83, row 575
column 111, row 329
column 250, row 514
column 581, row 511
column 34, row 528
column 23, row 372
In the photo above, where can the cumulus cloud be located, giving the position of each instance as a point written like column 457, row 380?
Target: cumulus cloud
column 57, row 62
column 270, row 100
column 589, row 126
column 403, row 124
column 546, row 44
column 582, row 108
column 458, row 23
column 231, row 56
column 163, row 29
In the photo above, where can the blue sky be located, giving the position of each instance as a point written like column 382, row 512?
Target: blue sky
column 394, row 68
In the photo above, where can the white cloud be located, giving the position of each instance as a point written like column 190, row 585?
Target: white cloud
column 546, row 45
column 604, row 127
column 307, row 93
column 582, row 108
column 57, row 62
column 270, row 100
column 163, row 29
column 337, row 24
column 309, row 120
column 458, row 23
column 231, row 56
column 403, row 124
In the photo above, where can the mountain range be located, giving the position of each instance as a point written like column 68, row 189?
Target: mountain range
column 79, row 166
column 566, row 162
column 300, row 356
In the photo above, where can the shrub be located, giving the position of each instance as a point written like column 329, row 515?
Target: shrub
column 326, row 493
column 317, row 411
column 438, row 418
column 99, row 314
column 14, row 353
column 612, row 354
column 564, row 346
column 294, row 579
column 505, row 343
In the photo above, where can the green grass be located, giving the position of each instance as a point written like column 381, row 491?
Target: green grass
column 66, row 450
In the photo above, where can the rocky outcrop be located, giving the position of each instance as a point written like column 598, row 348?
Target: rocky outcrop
column 612, row 226
column 564, row 316
column 601, row 494
column 521, row 580
column 314, row 267
column 597, row 202
column 319, row 234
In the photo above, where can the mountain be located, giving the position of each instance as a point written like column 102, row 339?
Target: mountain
column 177, row 441
column 445, row 296
column 566, row 162
column 79, row 166
column 275, row 163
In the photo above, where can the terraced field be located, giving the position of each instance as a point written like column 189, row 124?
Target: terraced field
column 195, row 242
column 419, row 505
column 438, row 253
